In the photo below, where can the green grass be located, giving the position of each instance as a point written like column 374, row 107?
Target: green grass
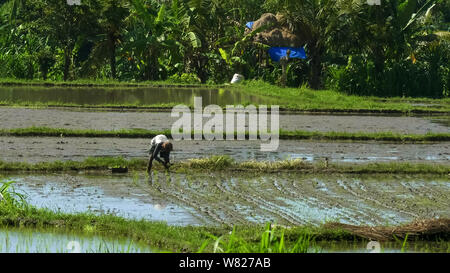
column 332, row 101
column 225, row 163
column 299, row 135
column 62, row 132
column 294, row 99
column 58, row 104
column 90, row 163
column 273, row 240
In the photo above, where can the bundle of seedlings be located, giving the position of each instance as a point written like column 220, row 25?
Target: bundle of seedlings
column 419, row 229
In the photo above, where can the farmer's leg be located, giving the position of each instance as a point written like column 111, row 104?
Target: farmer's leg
column 150, row 163
column 150, row 160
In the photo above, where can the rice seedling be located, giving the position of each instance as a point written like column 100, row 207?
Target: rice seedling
column 144, row 133
column 226, row 163
column 216, row 162
column 272, row 241
column 405, row 244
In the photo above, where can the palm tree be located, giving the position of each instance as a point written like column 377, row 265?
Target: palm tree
column 112, row 22
column 200, row 30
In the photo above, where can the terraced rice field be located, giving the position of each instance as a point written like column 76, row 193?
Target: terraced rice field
column 221, row 198
column 206, row 198
column 39, row 149
column 120, row 119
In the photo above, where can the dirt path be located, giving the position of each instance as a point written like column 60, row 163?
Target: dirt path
column 73, row 119
column 31, row 149
column 223, row 198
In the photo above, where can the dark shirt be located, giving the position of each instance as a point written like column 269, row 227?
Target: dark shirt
column 157, row 149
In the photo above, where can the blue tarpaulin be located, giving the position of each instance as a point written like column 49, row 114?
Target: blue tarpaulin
column 277, row 52
column 249, row 25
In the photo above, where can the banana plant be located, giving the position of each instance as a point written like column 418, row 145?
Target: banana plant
column 149, row 36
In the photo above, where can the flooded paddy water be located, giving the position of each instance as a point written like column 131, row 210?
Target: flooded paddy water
column 125, row 95
column 32, row 241
column 21, row 240
column 39, row 149
column 224, row 198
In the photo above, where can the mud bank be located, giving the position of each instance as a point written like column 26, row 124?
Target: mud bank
column 103, row 120
column 224, row 198
column 33, row 150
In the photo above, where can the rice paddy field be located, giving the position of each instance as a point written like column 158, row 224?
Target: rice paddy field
column 341, row 180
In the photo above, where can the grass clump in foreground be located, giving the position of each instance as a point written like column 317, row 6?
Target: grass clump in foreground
column 226, row 163
column 299, row 135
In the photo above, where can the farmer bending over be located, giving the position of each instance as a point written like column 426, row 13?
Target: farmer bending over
column 162, row 146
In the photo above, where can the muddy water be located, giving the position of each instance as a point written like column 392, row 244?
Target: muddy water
column 125, row 95
column 40, row 149
column 116, row 195
column 77, row 119
column 33, row 241
column 223, row 198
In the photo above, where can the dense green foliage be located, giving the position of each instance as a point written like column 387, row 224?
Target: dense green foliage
column 399, row 48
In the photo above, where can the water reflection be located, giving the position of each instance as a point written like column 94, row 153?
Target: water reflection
column 126, row 96
column 33, row 241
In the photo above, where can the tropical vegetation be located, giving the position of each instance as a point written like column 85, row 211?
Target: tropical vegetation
column 398, row 48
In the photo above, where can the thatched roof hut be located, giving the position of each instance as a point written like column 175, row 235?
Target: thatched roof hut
column 277, row 35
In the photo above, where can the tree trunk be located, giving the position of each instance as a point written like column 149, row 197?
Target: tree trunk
column 200, row 63
column 316, row 72
column 112, row 61
column 112, row 56
column 378, row 59
column 30, row 70
column 152, row 67
column 67, row 62
column 284, row 64
column 316, row 65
